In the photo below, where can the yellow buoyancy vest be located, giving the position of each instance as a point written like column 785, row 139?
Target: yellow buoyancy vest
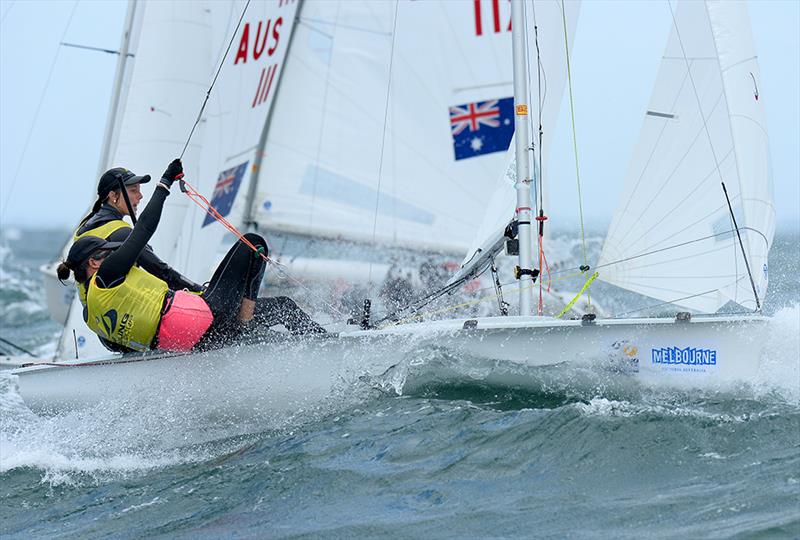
column 129, row 313
column 103, row 231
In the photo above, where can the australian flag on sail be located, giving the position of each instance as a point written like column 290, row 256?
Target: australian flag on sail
column 482, row 127
column 225, row 191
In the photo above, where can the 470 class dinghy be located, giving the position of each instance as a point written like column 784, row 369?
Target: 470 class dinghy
column 278, row 374
column 692, row 230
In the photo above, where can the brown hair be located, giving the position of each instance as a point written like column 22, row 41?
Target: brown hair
column 63, row 272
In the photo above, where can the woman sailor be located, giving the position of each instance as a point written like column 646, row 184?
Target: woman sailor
column 106, row 221
column 135, row 309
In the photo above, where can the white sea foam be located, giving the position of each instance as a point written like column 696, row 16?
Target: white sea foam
column 779, row 371
column 599, row 406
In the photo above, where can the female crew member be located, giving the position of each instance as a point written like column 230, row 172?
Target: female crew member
column 106, row 221
column 133, row 308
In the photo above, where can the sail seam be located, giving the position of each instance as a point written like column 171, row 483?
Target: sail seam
column 675, row 169
column 652, row 153
column 699, row 185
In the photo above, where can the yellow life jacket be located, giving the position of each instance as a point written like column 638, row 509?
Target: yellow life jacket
column 103, row 231
column 129, row 313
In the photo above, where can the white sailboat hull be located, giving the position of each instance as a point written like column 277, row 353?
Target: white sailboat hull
column 291, row 374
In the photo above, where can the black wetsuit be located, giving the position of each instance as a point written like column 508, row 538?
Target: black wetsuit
column 238, row 276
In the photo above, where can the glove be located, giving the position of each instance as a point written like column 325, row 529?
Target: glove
column 173, row 172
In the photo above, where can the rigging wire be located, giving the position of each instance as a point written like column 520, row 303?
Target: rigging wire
column 15, row 346
column 540, row 216
column 383, row 137
column 321, row 136
column 575, row 141
column 214, row 81
column 204, row 203
column 574, row 273
column 10, row 5
column 38, row 110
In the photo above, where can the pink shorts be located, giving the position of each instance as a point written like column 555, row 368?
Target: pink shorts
column 184, row 323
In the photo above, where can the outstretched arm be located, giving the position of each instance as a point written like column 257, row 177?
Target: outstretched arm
column 149, row 261
column 119, row 263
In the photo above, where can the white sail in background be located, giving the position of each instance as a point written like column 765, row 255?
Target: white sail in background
column 502, row 203
column 336, row 151
column 234, row 121
column 671, row 237
column 170, row 73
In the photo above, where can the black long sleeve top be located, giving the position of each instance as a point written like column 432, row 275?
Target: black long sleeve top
column 148, row 260
column 117, row 265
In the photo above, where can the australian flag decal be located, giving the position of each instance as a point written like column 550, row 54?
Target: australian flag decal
column 225, row 191
column 482, row 127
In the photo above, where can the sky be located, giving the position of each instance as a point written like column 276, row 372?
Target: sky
column 54, row 102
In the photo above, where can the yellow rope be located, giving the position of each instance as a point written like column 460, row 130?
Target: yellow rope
column 574, row 139
column 583, row 289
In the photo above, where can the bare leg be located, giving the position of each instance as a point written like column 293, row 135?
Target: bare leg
column 246, row 310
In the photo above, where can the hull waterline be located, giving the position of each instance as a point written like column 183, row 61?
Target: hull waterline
column 287, row 374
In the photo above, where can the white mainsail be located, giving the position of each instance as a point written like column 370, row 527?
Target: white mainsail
column 672, row 236
column 360, row 146
column 234, row 121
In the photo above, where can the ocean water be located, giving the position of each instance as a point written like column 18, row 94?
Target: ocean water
column 440, row 456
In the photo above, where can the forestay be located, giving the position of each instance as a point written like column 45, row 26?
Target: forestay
column 672, row 235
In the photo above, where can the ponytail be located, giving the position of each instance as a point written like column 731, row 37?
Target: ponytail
column 95, row 208
column 63, row 272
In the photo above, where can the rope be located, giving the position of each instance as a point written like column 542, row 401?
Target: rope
column 213, row 82
column 580, row 293
column 204, row 203
column 17, row 347
column 574, row 140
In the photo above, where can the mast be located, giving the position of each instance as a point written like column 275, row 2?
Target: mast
column 119, row 77
column 522, row 183
column 252, row 188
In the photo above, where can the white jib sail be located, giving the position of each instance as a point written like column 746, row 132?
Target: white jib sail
column 672, row 236
column 500, row 210
column 361, row 143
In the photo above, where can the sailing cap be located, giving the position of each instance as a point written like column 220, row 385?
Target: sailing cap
column 83, row 248
column 110, row 180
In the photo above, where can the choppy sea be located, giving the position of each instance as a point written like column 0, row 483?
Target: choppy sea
column 448, row 458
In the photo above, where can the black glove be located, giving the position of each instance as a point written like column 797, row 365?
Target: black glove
column 173, row 172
